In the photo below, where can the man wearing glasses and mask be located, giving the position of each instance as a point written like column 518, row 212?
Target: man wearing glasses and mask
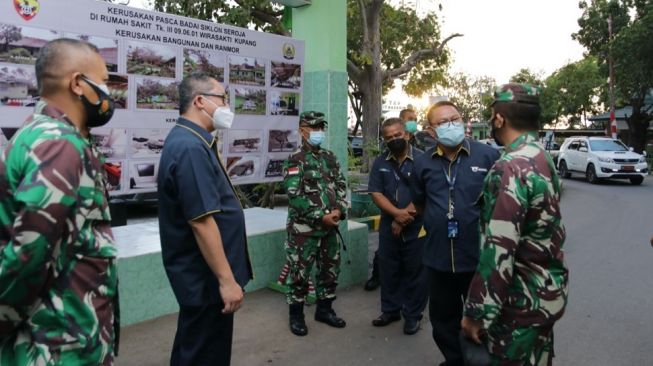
column 317, row 203
column 447, row 181
column 403, row 285
column 202, row 227
column 57, row 260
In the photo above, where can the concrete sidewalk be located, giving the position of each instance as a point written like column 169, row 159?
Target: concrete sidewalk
column 262, row 337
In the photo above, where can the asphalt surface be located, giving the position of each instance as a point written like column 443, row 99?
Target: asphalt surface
column 608, row 320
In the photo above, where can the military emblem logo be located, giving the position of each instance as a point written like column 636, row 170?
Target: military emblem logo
column 27, row 8
column 288, row 51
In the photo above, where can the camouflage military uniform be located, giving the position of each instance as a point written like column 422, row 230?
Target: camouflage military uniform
column 315, row 187
column 520, row 287
column 57, row 254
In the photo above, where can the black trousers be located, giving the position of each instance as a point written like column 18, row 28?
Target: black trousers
column 403, row 278
column 203, row 336
column 447, row 293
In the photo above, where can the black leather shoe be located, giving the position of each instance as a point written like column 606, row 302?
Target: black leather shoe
column 385, row 319
column 372, row 284
column 298, row 325
column 411, row 327
column 329, row 317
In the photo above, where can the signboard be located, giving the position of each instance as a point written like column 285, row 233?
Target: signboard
column 147, row 54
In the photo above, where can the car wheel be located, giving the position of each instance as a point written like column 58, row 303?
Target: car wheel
column 562, row 168
column 636, row 180
column 590, row 174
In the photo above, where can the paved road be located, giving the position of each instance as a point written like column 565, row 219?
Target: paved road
column 609, row 320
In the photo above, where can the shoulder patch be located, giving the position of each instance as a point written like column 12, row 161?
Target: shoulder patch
column 293, row 170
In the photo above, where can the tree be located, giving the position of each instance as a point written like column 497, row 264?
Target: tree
column 631, row 50
column 527, row 76
column 469, row 93
column 8, row 34
column 383, row 44
column 571, row 92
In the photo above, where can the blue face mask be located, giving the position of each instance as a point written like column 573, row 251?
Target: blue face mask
column 411, row 126
column 316, row 138
column 450, row 134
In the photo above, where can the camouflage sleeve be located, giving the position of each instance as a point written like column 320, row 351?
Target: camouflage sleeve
column 341, row 190
column 46, row 194
column 293, row 175
column 505, row 199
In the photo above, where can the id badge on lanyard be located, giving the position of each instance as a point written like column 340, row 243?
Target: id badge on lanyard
column 452, row 223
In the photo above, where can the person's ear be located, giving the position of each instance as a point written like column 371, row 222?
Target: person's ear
column 499, row 120
column 75, row 84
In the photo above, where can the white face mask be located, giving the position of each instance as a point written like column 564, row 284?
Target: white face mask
column 222, row 117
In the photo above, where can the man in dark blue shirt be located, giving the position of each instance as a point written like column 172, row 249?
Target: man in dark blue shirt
column 447, row 182
column 202, row 227
column 403, row 287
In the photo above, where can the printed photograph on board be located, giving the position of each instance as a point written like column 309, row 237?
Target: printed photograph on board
column 142, row 174
column 283, row 140
column 274, row 166
column 157, row 94
column 114, row 175
column 119, row 89
column 250, row 101
column 21, row 45
column 242, row 167
column 203, row 61
column 151, row 59
column 285, row 75
column 246, row 71
column 112, row 143
column 18, row 86
column 244, row 141
column 147, row 142
column 284, row 103
column 107, row 47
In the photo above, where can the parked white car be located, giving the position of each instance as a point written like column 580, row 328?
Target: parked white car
column 601, row 157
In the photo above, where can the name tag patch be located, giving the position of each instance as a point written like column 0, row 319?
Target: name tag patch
column 477, row 169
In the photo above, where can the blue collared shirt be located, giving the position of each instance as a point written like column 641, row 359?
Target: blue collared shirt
column 430, row 190
column 192, row 184
column 384, row 179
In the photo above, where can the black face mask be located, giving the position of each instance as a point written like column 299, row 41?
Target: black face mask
column 396, row 146
column 100, row 113
column 493, row 133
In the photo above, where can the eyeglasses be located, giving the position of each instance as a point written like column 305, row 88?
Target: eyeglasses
column 448, row 123
column 224, row 96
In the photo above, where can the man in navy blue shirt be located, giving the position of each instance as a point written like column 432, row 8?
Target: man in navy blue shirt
column 447, row 182
column 403, row 289
column 202, row 227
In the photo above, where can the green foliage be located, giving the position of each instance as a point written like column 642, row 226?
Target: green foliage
column 527, row 76
column 472, row 95
column 261, row 15
column 572, row 92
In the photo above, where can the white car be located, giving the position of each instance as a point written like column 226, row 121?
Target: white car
column 601, row 157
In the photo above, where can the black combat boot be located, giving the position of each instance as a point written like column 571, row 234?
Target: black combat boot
column 325, row 314
column 297, row 323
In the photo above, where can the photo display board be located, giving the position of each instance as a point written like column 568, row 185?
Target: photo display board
column 147, row 54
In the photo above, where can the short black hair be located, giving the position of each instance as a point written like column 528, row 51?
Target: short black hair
column 437, row 105
column 391, row 122
column 404, row 112
column 522, row 116
column 191, row 86
column 51, row 59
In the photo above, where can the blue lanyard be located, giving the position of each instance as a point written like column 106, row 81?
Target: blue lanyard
column 451, row 180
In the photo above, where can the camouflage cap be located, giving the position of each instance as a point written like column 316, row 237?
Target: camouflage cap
column 517, row 93
column 312, row 118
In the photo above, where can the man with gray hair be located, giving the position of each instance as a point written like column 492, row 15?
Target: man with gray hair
column 202, row 227
column 57, row 253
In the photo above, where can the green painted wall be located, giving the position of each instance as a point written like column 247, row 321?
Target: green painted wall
column 323, row 27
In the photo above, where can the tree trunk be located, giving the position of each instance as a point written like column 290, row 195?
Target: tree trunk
column 371, row 118
column 638, row 126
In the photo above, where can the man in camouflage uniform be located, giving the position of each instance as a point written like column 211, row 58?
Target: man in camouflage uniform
column 520, row 287
column 316, row 203
column 57, row 255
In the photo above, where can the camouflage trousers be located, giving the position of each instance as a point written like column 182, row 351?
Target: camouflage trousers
column 528, row 346
column 301, row 253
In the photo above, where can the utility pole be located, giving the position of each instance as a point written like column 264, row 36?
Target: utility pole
column 613, row 122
